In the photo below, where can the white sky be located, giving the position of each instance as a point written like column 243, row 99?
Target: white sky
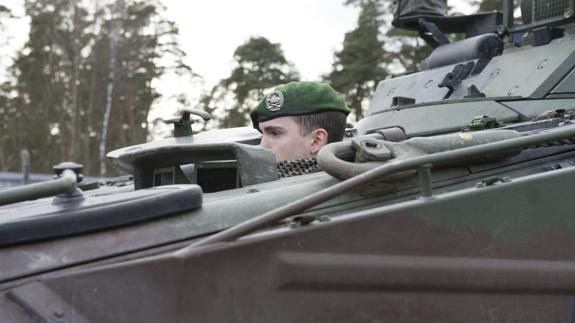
column 14, row 34
column 309, row 32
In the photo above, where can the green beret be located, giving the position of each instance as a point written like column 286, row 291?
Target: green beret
column 298, row 98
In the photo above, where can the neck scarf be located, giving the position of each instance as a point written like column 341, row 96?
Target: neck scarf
column 288, row 168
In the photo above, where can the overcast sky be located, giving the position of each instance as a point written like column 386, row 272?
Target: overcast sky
column 309, row 32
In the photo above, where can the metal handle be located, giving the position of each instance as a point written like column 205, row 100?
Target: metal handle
column 372, row 175
column 66, row 183
column 202, row 114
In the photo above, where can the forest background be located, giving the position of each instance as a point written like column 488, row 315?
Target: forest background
column 89, row 77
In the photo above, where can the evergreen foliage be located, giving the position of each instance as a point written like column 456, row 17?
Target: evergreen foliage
column 360, row 64
column 258, row 65
column 82, row 84
column 63, row 80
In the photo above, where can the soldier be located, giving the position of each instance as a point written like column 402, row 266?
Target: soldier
column 297, row 120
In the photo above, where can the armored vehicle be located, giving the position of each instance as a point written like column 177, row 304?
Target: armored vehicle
column 450, row 201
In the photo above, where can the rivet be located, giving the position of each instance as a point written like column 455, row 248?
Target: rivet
column 513, row 90
column 495, row 73
column 542, row 64
column 57, row 312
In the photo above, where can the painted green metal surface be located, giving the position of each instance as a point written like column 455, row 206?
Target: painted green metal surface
column 460, row 237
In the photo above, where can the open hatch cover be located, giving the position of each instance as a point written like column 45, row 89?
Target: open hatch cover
column 45, row 219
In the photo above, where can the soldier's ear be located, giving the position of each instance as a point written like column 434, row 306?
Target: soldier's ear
column 319, row 137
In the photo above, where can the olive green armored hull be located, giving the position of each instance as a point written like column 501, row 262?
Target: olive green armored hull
column 451, row 201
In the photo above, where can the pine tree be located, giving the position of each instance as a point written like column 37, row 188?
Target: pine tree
column 258, row 65
column 42, row 71
column 6, row 111
column 360, row 64
column 63, row 82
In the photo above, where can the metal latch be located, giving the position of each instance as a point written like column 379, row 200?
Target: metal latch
column 301, row 220
column 490, row 181
column 482, row 123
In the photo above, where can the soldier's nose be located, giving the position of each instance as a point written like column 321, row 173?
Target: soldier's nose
column 264, row 143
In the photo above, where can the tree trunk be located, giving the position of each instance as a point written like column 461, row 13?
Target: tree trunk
column 74, row 154
column 88, row 138
column 108, row 110
column 114, row 36
column 3, row 166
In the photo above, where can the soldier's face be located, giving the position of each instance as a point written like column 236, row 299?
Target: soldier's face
column 282, row 135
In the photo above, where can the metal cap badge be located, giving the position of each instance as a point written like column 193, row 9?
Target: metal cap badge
column 274, row 101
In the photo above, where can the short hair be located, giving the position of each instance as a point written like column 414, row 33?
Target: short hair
column 332, row 121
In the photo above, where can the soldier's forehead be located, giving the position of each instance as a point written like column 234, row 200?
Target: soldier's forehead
column 279, row 122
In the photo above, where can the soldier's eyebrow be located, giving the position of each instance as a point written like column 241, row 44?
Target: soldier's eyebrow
column 272, row 128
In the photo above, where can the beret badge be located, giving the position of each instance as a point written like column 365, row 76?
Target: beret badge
column 274, row 101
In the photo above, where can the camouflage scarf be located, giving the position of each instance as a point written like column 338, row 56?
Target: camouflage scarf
column 288, row 168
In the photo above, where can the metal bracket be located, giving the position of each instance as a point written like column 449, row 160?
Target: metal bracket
column 369, row 149
column 425, row 186
column 431, row 34
column 452, row 79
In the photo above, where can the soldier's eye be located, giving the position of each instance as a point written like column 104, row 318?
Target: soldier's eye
column 273, row 132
